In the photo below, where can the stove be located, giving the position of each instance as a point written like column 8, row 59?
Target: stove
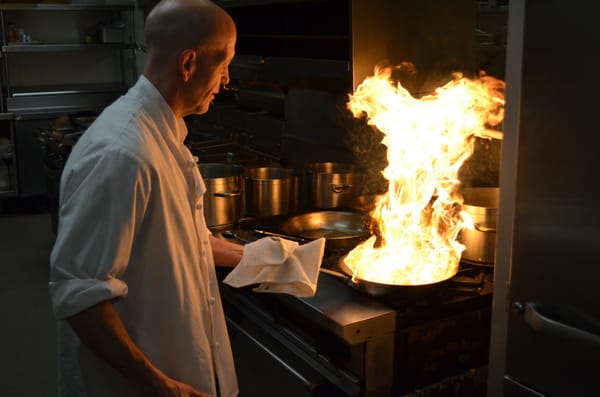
column 343, row 342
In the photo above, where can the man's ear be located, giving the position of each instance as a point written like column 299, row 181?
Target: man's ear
column 187, row 64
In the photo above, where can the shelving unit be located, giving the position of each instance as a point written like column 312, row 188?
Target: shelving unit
column 66, row 39
column 8, row 174
column 61, row 61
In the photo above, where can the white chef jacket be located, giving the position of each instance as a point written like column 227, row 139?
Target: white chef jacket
column 131, row 226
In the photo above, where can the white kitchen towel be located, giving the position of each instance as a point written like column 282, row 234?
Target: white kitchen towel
column 279, row 265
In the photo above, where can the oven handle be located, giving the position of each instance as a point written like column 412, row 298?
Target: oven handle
column 307, row 383
column 569, row 324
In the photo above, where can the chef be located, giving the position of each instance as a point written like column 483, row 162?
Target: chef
column 132, row 277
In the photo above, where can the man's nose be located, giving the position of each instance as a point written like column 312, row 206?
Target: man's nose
column 225, row 77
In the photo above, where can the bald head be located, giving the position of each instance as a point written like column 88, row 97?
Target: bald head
column 190, row 46
column 175, row 25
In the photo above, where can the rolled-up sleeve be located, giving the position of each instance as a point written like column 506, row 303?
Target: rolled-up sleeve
column 103, row 201
column 69, row 297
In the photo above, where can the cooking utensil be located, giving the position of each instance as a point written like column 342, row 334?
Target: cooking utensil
column 341, row 229
column 331, row 184
column 271, row 191
column 391, row 291
column 282, row 235
column 232, row 235
column 481, row 203
column 384, row 290
column 224, row 200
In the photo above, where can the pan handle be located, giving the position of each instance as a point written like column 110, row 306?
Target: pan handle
column 282, row 235
column 334, row 273
column 341, row 276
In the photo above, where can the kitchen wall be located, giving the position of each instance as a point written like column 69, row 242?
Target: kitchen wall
column 306, row 57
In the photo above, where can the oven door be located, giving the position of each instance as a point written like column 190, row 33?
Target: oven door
column 264, row 369
column 274, row 360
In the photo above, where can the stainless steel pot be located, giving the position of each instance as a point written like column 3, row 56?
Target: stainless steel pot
column 482, row 204
column 271, row 191
column 224, row 198
column 332, row 185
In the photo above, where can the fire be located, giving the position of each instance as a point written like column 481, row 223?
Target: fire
column 428, row 140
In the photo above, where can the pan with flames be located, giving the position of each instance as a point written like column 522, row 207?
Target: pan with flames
column 427, row 139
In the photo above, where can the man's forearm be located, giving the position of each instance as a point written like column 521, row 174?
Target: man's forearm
column 100, row 328
column 226, row 253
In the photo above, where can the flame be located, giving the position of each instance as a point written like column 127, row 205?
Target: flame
column 428, row 140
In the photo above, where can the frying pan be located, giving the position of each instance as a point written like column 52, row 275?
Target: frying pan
column 386, row 291
column 341, row 229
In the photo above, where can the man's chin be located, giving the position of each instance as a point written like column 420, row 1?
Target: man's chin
column 201, row 109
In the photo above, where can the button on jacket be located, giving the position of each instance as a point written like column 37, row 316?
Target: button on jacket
column 131, row 227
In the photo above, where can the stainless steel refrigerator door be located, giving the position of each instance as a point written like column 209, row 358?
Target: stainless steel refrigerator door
column 546, row 321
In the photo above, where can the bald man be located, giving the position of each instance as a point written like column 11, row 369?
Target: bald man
column 132, row 277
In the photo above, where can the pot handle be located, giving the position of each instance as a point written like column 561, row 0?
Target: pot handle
column 227, row 194
column 339, row 188
column 480, row 228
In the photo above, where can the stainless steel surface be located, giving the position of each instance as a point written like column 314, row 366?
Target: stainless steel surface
column 33, row 6
column 245, row 310
column 303, row 380
column 51, row 104
column 332, row 184
column 341, row 229
column 514, row 388
column 224, row 197
column 370, row 330
column 66, row 60
column 549, row 214
column 392, row 291
column 358, row 321
column 343, row 312
column 329, row 224
column 565, row 323
column 481, row 204
column 56, row 47
column 271, row 191
column 506, row 210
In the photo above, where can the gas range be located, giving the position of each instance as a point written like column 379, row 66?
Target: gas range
column 347, row 343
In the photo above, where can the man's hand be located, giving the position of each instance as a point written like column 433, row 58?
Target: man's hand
column 173, row 388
